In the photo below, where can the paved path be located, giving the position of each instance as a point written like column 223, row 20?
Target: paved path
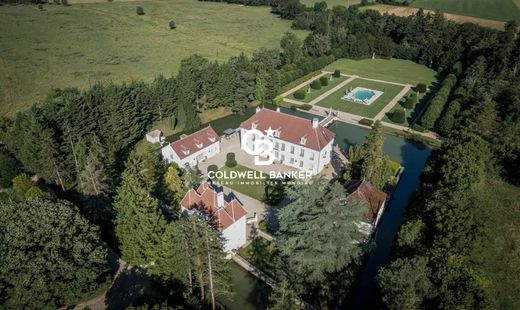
column 333, row 90
column 392, row 103
column 375, row 80
column 290, row 91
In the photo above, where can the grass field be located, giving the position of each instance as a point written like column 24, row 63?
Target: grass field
column 250, row 187
column 331, row 3
column 503, row 10
column 317, row 92
column 83, row 43
column 407, row 11
column 394, row 70
column 389, row 92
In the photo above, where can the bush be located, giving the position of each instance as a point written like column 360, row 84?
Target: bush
column 300, row 94
column 294, row 107
column 139, row 10
column 324, row 81
column 172, row 24
column 213, row 168
column 277, row 100
column 421, row 87
column 410, row 101
column 40, row 7
column 230, row 160
column 316, row 84
column 366, row 122
column 336, row 73
column 399, row 116
column 305, row 107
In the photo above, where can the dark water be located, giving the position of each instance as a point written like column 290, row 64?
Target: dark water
column 413, row 158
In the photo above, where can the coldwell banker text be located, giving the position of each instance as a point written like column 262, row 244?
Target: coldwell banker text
column 257, row 175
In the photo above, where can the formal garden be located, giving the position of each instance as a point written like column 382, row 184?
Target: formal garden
column 318, row 87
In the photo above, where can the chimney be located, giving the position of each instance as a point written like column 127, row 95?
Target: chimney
column 258, row 109
column 220, row 199
column 315, row 123
column 278, row 109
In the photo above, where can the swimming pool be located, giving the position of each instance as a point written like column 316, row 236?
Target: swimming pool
column 362, row 95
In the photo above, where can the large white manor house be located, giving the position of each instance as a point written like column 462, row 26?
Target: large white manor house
column 298, row 142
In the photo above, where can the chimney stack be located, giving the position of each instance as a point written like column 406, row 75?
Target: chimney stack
column 220, row 199
column 278, row 109
column 258, row 109
column 315, row 122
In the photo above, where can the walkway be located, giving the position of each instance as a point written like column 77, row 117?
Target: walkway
column 392, row 103
column 295, row 88
column 253, row 270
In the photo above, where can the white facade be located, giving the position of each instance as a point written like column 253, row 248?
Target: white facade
column 191, row 159
column 294, row 155
column 235, row 235
column 154, row 136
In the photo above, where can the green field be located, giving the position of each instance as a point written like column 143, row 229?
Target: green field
column 315, row 93
column 503, row 10
column 394, row 70
column 83, row 43
column 331, row 3
column 389, row 92
column 252, row 188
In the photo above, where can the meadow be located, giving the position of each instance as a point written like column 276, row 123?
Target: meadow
column 81, row 44
column 503, row 10
column 393, row 70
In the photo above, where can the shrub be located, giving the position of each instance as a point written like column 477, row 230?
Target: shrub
column 399, row 116
column 366, row 122
column 213, row 168
column 410, row 101
column 305, row 107
column 230, row 160
column 277, row 100
column 300, row 94
column 139, row 10
column 418, row 128
column 40, row 7
column 294, row 107
column 336, row 73
column 324, row 81
column 316, row 84
column 421, row 87
column 172, row 24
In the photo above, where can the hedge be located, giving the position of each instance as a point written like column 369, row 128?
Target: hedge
column 399, row 116
column 316, row 84
column 172, row 24
column 434, row 110
column 336, row 73
column 230, row 160
column 366, row 122
column 304, row 66
column 448, row 120
column 410, row 101
column 300, row 94
column 421, row 87
column 213, row 168
column 418, row 128
column 305, row 107
column 324, row 81
column 139, row 10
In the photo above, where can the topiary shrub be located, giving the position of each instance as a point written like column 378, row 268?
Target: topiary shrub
column 366, row 122
column 399, row 116
column 277, row 100
column 421, row 87
column 336, row 73
column 172, row 24
column 213, row 168
column 410, row 101
column 139, row 10
column 316, row 84
column 230, row 160
column 300, row 94
column 324, row 81
column 305, row 107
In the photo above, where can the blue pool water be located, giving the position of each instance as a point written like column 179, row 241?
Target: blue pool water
column 364, row 94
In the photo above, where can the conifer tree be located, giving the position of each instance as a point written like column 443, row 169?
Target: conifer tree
column 373, row 163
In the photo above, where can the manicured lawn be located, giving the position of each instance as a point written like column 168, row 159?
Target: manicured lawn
column 77, row 45
column 335, row 101
column 503, row 10
column 252, row 188
column 393, row 70
column 261, row 253
column 315, row 93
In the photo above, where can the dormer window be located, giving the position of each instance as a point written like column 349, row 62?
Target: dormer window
column 199, row 144
column 254, row 124
column 211, row 138
column 185, row 150
column 278, row 132
column 303, row 140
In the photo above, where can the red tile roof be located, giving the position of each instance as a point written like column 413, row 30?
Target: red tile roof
column 197, row 141
column 204, row 199
column 359, row 191
column 291, row 128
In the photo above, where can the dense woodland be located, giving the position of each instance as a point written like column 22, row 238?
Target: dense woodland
column 457, row 248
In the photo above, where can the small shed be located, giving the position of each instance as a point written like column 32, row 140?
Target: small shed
column 230, row 132
column 154, row 136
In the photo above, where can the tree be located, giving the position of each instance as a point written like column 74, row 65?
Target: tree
column 317, row 44
column 139, row 222
column 9, row 168
column 315, row 224
column 191, row 178
column 410, row 101
column 291, row 47
column 324, row 81
column 172, row 24
column 300, row 94
column 283, row 298
column 173, row 182
column 404, row 283
column 316, row 84
column 93, row 180
column 51, row 256
column 421, row 87
column 139, row 10
column 399, row 116
column 373, row 163
column 337, row 73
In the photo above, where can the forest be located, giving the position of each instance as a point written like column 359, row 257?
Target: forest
column 457, row 248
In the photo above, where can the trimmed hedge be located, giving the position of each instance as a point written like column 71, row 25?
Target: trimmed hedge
column 421, row 87
column 410, row 101
column 172, row 24
column 300, row 94
column 448, row 120
column 316, row 84
column 139, row 10
column 366, row 122
column 230, row 160
column 399, row 116
column 434, row 110
column 305, row 107
column 324, row 80
column 213, row 168
column 304, row 66
column 336, row 74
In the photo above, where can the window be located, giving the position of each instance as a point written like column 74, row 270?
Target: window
column 292, row 149
column 312, row 155
column 302, row 152
column 276, row 145
column 301, row 163
column 292, row 160
column 283, row 146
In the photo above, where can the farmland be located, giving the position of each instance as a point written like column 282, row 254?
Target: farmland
column 60, row 47
column 502, row 10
